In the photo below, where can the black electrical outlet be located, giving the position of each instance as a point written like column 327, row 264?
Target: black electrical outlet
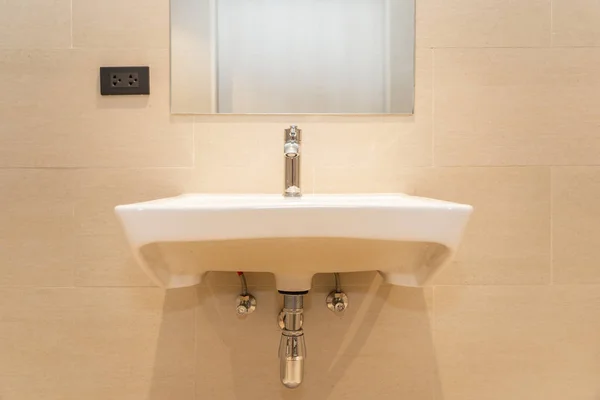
column 119, row 81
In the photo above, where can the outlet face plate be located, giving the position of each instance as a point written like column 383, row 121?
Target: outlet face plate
column 119, row 81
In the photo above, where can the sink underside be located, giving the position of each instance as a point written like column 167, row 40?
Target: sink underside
column 294, row 261
column 406, row 238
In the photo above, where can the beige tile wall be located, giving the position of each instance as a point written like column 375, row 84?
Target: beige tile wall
column 506, row 119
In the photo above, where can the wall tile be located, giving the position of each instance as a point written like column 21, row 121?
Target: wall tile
column 102, row 253
column 241, row 157
column 106, row 260
column 228, row 347
column 516, row 106
column 36, row 228
column 385, row 143
column 575, row 230
column 342, row 351
column 575, row 23
column 35, row 24
column 100, row 190
column 498, row 343
column 489, row 23
column 507, row 240
column 369, row 179
column 96, row 343
column 49, row 121
column 382, row 322
column 111, row 24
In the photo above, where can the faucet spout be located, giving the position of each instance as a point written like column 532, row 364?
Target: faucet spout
column 292, row 349
column 291, row 151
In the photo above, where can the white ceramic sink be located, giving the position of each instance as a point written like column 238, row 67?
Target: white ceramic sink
column 177, row 240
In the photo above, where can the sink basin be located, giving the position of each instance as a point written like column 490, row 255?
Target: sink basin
column 407, row 238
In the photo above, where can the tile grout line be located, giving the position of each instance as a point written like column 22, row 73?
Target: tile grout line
column 547, row 47
column 195, row 385
column 74, row 267
column 90, row 168
column 71, row 23
column 13, row 287
column 108, row 168
column 521, row 285
column 433, row 325
column 433, row 317
column 432, row 80
column 265, row 287
column 193, row 143
column 551, row 23
column 311, row 117
column 551, row 226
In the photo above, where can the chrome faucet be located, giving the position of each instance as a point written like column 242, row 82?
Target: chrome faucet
column 292, row 350
column 291, row 150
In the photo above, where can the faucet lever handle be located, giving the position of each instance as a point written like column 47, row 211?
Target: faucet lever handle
column 293, row 133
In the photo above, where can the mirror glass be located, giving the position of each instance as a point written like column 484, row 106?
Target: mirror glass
column 292, row 57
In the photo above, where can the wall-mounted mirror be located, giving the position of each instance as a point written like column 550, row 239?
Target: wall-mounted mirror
column 292, row 57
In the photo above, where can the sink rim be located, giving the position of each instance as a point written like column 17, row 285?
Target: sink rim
column 202, row 201
column 198, row 217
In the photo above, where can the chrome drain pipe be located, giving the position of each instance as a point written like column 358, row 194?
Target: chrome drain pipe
column 292, row 349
